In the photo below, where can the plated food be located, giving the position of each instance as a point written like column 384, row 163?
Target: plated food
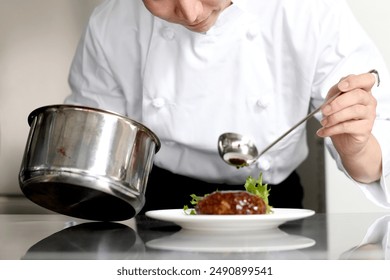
column 231, row 203
column 252, row 200
column 231, row 212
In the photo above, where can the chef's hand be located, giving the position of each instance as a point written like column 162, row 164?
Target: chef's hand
column 348, row 121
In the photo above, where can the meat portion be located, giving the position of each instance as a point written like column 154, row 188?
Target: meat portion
column 231, row 203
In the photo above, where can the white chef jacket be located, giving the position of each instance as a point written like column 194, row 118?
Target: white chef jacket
column 256, row 72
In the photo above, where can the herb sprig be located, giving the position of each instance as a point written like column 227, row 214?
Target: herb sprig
column 256, row 187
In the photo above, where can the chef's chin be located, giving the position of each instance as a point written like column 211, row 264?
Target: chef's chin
column 198, row 30
column 201, row 27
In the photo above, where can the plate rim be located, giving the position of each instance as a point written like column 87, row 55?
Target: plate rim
column 297, row 213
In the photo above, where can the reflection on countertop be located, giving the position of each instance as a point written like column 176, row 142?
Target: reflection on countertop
column 322, row 236
column 375, row 244
column 91, row 240
column 252, row 241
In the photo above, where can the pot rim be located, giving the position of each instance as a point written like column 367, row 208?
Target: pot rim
column 39, row 110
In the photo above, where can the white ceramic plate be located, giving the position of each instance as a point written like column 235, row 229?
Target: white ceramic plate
column 206, row 241
column 230, row 222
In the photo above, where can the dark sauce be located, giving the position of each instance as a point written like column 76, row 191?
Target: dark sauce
column 238, row 162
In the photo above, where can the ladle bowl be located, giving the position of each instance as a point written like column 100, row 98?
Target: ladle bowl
column 236, row 149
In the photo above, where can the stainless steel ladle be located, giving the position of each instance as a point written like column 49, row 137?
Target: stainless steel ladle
column 239, row 150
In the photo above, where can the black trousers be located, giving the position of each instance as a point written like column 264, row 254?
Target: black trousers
column 166, row 190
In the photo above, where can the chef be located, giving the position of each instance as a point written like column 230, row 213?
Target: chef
column 191, row 70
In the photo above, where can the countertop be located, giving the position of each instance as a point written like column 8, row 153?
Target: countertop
column 46, row 235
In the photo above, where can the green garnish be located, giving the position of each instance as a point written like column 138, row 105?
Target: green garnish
column 194, row 200
column 256, row 187
column 252, row 186
column 189, row 211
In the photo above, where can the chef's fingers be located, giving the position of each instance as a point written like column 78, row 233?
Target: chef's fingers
column 352, row 113
column 355, row 112
column 364, row 81
column 348, row 99
column 360, row 129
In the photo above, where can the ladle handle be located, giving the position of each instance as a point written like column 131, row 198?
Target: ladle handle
column 299, row 123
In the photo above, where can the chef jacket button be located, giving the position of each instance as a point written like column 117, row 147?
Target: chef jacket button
column 252, row 34
column 264, row 164
column 158, row 102
column 263, row 103
column 168, row 33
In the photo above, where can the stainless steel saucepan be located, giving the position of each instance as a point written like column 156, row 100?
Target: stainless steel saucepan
column 86, row 162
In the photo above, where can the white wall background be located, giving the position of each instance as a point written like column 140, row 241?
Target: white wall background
column 37, row 42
